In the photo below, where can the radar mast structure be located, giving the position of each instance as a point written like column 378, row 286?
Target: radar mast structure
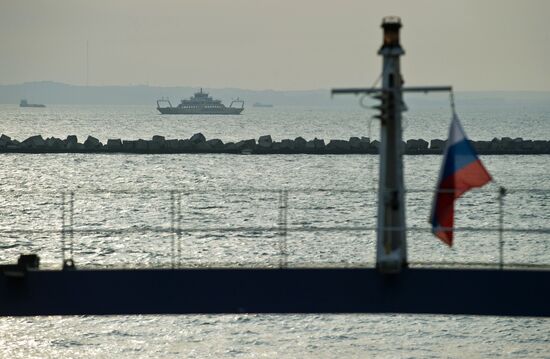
column 391, row 243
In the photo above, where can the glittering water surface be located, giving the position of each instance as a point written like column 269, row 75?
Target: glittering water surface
column 122, row 218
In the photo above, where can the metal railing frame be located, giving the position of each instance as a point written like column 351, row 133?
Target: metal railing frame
column 281, row 228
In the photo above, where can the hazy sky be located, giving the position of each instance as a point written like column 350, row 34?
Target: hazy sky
column 280, row 44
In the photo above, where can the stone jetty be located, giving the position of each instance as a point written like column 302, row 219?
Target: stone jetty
column 198, row 143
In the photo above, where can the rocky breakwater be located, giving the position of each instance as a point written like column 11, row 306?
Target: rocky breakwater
column 264, row 145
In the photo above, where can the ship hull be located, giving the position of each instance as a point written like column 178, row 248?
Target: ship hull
column 33, row 105
column 199, row 111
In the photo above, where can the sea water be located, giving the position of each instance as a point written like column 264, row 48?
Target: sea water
column 229, row 206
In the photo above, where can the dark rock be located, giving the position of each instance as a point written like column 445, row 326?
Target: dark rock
column 310, row 147
column 516, row 145
column 300, row 144
column 375, row 144
column 423, row 144
column 275, row 147
column 5, row 141
column 197, row 138
column 172, row 145
column 203, row 147
column 411, row 145
column 482, row 146
column 338, row 147
column 230, row 147
column 507, row 144
column 73, row 146
column 416, row 146
column 496, row 145
column 55, row 144
column 71, row 139
column 34, row 143
column 527, row 146
column 216, row 145
column 128, row 146
column 437, row 145
column 49, row 141
column 154, row 146
column 92, row 144
column 186, row 146
column 265, row 141
column 141, row 146
column 71, row 143
column 315, row 146
column 157, row 144
column 114, row 144
column 248, row 145
column 355, row 144
column 540, row 146
column 5, row 138
column 366, row 145
column 287, row 146
column 319, row 143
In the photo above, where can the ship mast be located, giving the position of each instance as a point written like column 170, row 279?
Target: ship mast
column 391, row 244
column 391, row 250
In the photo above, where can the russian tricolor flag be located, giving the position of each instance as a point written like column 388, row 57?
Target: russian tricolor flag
column 461, row 171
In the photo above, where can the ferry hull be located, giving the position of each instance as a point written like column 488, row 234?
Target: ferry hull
column 193, row 111
column 33, row 105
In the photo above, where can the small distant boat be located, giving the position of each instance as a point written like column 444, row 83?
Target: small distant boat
column 200, row 104
column 24, row 103
column 259, row 104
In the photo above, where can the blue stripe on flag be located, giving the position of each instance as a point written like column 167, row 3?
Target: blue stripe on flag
column 458, row 156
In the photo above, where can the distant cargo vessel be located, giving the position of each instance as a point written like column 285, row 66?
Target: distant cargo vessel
column 259, row 104
column 200, row 104
column 24, row 103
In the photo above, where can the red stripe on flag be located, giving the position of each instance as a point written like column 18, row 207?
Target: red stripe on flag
column 471, row 176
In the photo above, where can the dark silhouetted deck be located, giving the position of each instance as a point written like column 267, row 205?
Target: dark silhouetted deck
column 213, row 291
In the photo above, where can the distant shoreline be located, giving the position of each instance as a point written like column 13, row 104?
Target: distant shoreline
column 54, row 93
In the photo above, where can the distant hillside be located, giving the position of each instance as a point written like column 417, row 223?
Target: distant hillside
column 58, row 93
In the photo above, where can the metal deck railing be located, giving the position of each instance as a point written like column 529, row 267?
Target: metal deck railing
column 276, row 227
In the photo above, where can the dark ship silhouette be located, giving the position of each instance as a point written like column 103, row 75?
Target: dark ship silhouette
column 200, row 104
column 24, row 103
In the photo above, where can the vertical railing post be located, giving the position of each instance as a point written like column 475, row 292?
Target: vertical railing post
column 283, row 203
column 62, row 229
column 67, row 263
column 501, row 194
column 179, row 228
column 172, row 231
column 71, row 225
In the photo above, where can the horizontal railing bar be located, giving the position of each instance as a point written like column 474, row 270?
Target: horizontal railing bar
column 274, row 229
column 495, row 264
column 319, row 264
column 260, row 190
